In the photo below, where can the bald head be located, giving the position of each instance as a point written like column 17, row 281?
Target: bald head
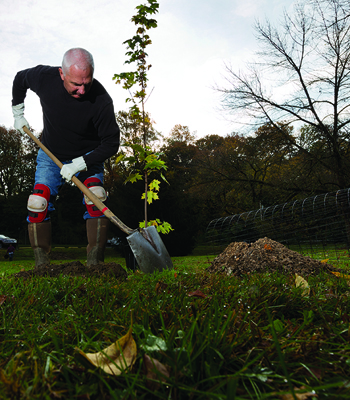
column 79, row 58
column 77, row 72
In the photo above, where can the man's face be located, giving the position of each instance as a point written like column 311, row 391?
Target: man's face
column 77, row 82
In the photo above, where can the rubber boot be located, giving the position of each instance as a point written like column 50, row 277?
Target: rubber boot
column 40, row 240
column 97, row 229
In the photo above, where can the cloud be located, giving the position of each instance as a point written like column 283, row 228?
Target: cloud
column 248, row 8
column 192, row 42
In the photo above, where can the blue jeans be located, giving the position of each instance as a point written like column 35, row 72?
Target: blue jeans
column 48, row 173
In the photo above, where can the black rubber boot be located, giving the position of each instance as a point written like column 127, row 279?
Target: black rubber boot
column 97, row 229
column 40, row 240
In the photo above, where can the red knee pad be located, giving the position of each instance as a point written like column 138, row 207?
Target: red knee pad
column 95, row 185
column 38, row 203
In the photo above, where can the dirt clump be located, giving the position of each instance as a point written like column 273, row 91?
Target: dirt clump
column 266, row 255
column 75, row 268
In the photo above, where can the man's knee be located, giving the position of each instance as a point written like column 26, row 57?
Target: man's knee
column 96, row 187
column 38, row 203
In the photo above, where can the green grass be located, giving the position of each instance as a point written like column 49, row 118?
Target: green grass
column 333, row 254
column 256, row 337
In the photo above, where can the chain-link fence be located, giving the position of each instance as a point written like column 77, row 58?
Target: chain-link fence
column 322, row 221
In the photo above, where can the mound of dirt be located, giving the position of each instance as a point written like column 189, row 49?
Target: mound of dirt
column 75, row 268
column 265, row 255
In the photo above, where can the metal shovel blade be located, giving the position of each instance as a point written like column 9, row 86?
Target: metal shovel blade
column 150, row 253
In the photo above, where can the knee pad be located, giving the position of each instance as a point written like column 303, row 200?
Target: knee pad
column 95, row 185
column 38, row 203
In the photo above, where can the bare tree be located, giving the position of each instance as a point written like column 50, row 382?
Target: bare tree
column 301, row 77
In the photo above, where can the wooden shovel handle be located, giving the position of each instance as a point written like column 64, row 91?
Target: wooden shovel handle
column 91, row 196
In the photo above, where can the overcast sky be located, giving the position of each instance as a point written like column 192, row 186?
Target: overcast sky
column 193, row 41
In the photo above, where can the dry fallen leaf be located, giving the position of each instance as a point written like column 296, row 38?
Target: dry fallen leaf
column 340, row 275
column 117, row 357
column 161, row 287
column 2, row 299
column 155, row 371
column 197, row 293
column 298, row 396
column 301, row 282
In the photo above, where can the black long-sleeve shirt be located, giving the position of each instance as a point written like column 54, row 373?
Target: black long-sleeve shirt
column 72, row 127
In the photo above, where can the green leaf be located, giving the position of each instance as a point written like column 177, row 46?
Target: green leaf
column 154, row 163
column 162, row 227
column 120, row 158
column 163, row 177
column 138, row 149
column 150, row 196
column 278, row 325
column 154, row 185
column 165, row 228
column 154, row 343
column 133, row 178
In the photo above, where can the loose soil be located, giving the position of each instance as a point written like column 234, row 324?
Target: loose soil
column 75, row 268
column 239, row 258
column 266, row 255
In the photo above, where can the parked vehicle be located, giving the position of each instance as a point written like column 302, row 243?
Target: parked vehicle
column 5, row 241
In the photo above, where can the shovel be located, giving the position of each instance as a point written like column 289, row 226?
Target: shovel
column 146, row 244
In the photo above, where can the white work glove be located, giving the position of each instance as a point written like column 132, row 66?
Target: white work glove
column 77, row 165
column 20, row 121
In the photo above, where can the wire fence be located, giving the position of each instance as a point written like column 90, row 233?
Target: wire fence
column 311, row 224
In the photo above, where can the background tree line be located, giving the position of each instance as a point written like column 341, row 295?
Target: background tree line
column 298, row 146
column 208, row 178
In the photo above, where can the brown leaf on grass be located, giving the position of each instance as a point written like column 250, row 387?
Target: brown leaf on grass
column 301, row 282
column 298, row 396
column 316, row 372
column 161, row 286
column 116, row 358
column 340, row 275
column 197, row 293
column 156, row 372
column 3, row 297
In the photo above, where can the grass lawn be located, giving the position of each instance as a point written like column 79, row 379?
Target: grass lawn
column 198, row 335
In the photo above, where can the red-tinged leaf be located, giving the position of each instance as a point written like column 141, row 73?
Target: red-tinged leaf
column 197, row 293
column 2, row 299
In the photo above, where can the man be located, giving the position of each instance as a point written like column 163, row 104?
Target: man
column 10, row 252
column 80, row 129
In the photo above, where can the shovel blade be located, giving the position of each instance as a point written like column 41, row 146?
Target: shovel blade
column 149, row 257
